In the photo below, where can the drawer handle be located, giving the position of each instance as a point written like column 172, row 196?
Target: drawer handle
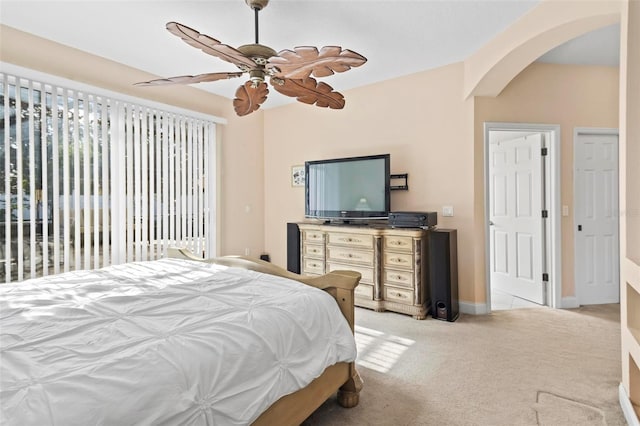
column 350, row 256
column 350, row 240
column 396, row 243
column 399, row 295
column 397, row 260
column 398, row 277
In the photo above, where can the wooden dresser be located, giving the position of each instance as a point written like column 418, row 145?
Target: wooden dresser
column 392, row 262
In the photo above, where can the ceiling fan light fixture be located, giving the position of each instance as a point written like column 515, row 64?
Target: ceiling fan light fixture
column 256, row 76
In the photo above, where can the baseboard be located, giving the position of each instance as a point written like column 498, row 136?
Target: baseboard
column 473, row 308
column 627, row 407
column 569, row 302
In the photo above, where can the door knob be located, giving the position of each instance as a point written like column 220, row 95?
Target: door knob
column 490, row 223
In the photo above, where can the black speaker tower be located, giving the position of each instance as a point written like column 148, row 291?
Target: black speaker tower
column 293, row 248
column 443, row 274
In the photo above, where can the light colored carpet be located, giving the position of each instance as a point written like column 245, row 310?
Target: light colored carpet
column 519, row 367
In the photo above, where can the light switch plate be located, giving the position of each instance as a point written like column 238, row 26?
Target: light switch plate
column 447, row 211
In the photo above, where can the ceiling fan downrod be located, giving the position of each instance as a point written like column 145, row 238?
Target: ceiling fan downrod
column 256, row 11
column 257, row 6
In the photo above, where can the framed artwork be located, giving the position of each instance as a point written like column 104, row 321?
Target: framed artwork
column 297, row 175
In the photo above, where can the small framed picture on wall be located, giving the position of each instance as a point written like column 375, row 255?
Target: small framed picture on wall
column 297, row 175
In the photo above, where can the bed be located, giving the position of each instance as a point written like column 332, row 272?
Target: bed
column 180, row 340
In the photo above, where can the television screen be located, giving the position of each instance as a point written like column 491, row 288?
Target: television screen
column 348, row 188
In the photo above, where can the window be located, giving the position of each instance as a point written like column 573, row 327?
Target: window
column 87, row 180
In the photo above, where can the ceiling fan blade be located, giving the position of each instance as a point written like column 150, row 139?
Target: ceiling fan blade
column 306, row 60
column 211, row 46
column 191, row 79
column 248, row 98
column 309, row 91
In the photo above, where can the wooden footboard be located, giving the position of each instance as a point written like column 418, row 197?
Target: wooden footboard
column 342, row 377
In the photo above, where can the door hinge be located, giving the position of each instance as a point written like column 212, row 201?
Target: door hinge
column 545, row 277
column 545, row 213
column 544, row 152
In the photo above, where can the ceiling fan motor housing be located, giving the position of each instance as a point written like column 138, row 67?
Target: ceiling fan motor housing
column 258, row 53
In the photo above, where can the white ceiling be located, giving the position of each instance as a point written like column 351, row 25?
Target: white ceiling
column 398, row 37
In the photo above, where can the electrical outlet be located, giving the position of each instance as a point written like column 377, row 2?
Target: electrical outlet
column 447, row 211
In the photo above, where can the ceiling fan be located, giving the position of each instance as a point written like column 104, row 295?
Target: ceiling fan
column 289, row 71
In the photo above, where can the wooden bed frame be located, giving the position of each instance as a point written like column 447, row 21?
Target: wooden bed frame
column 342, row 377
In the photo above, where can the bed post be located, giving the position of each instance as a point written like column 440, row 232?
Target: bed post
column 349, row 393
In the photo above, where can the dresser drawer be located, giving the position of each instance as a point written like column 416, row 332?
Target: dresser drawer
column 397, row 277
column 313, row 250
column 313, row 236
column 399, row 295
column 348, row 255
column 367, row 273
column 351, row 240
column 364, row 291
column 398, row 242
column 313, row 266
column 398, row 260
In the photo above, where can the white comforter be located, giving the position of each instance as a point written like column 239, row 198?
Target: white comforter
column 171, row 342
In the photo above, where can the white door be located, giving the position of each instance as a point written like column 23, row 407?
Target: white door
column 515, row 214
column 596, row 219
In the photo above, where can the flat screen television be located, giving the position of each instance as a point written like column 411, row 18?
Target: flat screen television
column 348, row 188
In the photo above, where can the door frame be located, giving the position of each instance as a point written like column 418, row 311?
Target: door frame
column 553, row 230
column 577, row 131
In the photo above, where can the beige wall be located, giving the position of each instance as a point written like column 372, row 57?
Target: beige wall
column 241, row 205
column 632, row 133
column 491, row 68
column 630, row 203
column 568, row 95
column 421, row 120
column 241, row 160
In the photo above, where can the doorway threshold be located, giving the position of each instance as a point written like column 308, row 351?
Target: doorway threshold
column 503, row 301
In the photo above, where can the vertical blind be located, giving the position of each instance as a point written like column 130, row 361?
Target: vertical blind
column 89, row 181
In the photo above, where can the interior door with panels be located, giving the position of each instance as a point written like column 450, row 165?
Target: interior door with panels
column 596, row 218
column 516, row 217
